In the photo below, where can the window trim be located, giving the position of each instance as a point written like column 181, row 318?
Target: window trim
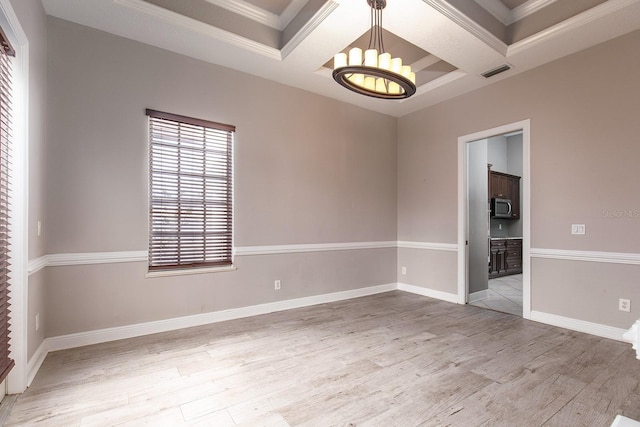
column 198, row 266
column 189, row 271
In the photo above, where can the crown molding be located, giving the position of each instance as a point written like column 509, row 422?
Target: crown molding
column 291, row 12
column 468, row 24
column 496, row 8
column 260, row 15
column 191, row 24
column 308, row 27
column 424, row 62
column 249, row 11
column 573, row 23
column 508, row 16
column 528, row 8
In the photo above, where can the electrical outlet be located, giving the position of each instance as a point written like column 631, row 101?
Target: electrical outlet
column 277, row 285
column 578, row 229
column 37, row 321
column 404, row 270
column 624, row 304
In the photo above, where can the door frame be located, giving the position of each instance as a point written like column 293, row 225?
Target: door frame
column 525, row 214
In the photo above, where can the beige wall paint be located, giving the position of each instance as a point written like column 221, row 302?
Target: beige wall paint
column 428, row 268
column 91, row 297
column 37, row 304
column 307, row 170
column 584, row 151
column 586, row 289
column 313, row 170
column 33, row 21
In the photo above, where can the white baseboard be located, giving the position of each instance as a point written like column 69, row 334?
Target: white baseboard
column 129, row 331
column 579, row 325
column 478, row 296
column 36, row 362
column 431, row 293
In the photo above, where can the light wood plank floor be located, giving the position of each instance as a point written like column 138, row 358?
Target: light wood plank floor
column 393, row 359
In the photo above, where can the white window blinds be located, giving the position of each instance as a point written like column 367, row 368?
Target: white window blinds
column 191, row 192
column 6, row 363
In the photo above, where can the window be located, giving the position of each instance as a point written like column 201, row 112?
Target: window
column 191, row 193
column 6, row 363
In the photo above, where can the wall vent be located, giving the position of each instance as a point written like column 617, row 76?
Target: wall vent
column 498, row 70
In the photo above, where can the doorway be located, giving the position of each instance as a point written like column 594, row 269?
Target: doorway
column 493, row 259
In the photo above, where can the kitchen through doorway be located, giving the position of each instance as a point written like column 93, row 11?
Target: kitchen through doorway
column 494, row 233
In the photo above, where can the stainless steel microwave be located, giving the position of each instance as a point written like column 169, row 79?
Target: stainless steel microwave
column 500, row 208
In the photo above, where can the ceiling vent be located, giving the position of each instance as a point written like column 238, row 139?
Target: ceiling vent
column 500, row 69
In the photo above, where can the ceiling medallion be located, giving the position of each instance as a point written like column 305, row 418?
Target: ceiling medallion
column 378, row 75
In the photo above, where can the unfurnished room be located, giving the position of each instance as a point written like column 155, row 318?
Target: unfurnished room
column 320, row 213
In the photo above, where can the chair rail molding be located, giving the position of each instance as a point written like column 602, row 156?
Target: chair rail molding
column 588, row 256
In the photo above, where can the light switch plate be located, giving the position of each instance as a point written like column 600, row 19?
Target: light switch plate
column 578, row 229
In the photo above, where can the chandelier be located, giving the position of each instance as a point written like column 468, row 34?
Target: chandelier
column 378, row 75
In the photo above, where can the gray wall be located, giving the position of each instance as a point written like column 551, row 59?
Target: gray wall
column 307, row 170
column 497, row 153
column 584, row 155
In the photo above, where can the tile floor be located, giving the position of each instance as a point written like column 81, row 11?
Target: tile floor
column 505, row 295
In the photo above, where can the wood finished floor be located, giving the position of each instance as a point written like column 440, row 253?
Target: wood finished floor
column 393, row 359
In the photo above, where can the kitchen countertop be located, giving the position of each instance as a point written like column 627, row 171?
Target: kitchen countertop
column 505, row 238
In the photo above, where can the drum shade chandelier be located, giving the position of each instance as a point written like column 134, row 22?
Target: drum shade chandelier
column 378, row 75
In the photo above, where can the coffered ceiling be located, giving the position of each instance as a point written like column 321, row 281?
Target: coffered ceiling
column 450, row 43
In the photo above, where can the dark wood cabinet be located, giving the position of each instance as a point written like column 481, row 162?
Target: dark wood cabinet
column 513, row 258
column 505, row 257
column 497, row 258
column 505, row 186
column 498, row 185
